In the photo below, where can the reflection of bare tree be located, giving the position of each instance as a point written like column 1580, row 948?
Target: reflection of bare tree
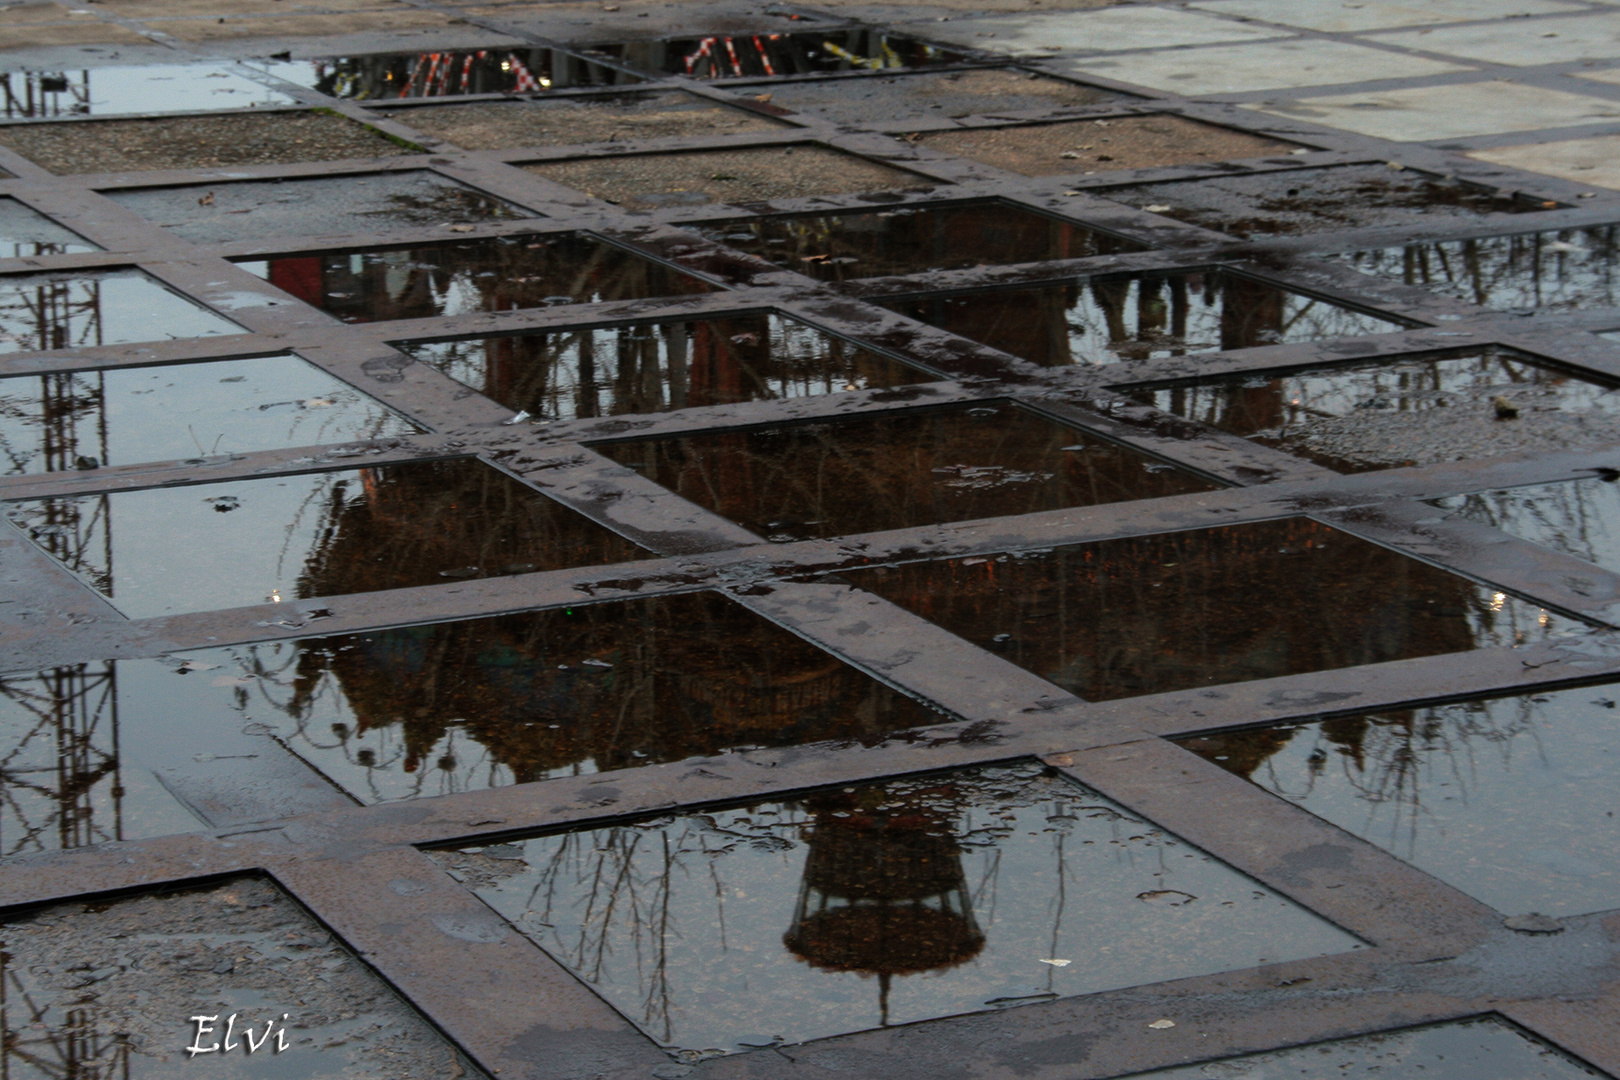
column 1574, row 517
column 60, row 745
column 1569, row 269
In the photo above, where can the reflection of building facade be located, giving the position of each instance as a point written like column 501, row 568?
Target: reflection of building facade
column 883, row 891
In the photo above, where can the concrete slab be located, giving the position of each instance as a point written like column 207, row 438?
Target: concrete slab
column 1271, row 65
column 1545, row 41
column 1353, row 15
column 1112, row 30
column 1449, row 112
column 1586, row 161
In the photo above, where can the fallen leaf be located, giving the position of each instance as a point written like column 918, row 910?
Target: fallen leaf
column 1161, row 1025
column 1058, row 963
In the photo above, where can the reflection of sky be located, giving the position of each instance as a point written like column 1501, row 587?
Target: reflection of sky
column 164, row 88
column 1479, row 1049
column 183, row 411
column 1512, row 801
column 98, row 309
column 1556, row 271
column 1053, row 871
column 1579, row 518
column 25, row 232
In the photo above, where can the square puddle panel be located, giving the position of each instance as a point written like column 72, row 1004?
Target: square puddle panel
column 1482, row 1048
column 722, row 56
column 1306, row 201
column 124, row 416
column 143, row 88
column 933, row 93
column 460, row 278
column 1127, row 142
column 25, row 233
column 1580, row 518
column 573, row 373
column 85, row 309
column 1107, row 320
column 449, row 73
column 1153, row 614
column 1461, row 791
column 570, row 121
column 741, row 177
column 268, row 210
column 906, row 240
column 195, row 142
column 1420, row 410
column 314, row 534
column 104, row 989
column 921, row 467
column 844, row 910
column 1562, row 270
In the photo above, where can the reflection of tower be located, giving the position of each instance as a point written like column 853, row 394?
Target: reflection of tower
column 45, row 93
column 69, row 1045
column 884, row 892
column 50, row 771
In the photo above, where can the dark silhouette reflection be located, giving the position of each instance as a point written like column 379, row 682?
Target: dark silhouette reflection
column 655, row 367
column 60, row 780
column 1321, row 200
column 722, row 56
column 1567, row 270
column 1407, row 411
column 1139, row 317
column 913, row 468
column 884, row 892
column 1157, row 613
column 449, row 73
column 837, row 247
column 1462, row 790
column 454, row 706
column 379, row 284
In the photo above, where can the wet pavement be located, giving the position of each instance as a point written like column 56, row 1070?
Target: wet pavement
column 1106, row 320
column 314, row 534
column 913, row 468
column 269, row 210
column 762, row 925
column 25, row 233
column 382, row 284
column 1403, row 412
column 172, row 412
column 1577, row 517
column 75, row 310
column 655, row 367
column 952, row 94
column 904, row 240
column 1120, row 618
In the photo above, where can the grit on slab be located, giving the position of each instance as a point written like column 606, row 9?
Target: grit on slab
column 505, row 125
column 934, row 93
column 757, row 174
column 1085, row 146
column 187, row 142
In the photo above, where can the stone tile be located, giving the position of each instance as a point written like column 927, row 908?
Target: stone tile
column 1342, row 15
column 1270, row 65
column 1092, row 31
column 1546, row 41
column 1449, row 112
column 1585, row 161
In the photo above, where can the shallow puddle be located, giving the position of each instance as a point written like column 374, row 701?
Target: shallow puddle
column 922, row 467
column 1151, row 614
column 762, row 925
column 878, row 243
column 934, row 93
column 722, row 56
column 1318, row 200
column 25, row 232
column 145, row 88
column 1483, row 1048
column 315, row 534
column 1577, row 517
column 503, row 274
column 272, row 209
column 115, row 307
column 87, row 419
column 1139, row 317
column 1414, row 411
column 1567, row 270
column 1462, row 791
column 447, row 73
column 105, row 989
column 655, row 367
